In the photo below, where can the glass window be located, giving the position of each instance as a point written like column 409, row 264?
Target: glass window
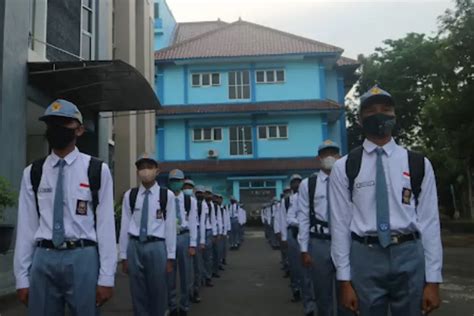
column 280, row 76
column 197, row 134
column 260, row 76
column 86, row 20
column 207, row 132
column 270, row 183
column 157, row 10
column 87, row 3
column 216, row 79
column 270, row 76
column 272, row 132
column 86, row 46
column 262, row 132
column 217, row 134
column 196, row 80
column 283, row 131
column 239, row 85
column 240, row 138
column 206, row 79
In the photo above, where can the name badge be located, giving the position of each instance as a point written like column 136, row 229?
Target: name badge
column 81, row 208
column 45, row 190
column 365, row 184
column 159, row 214
column 406, row 196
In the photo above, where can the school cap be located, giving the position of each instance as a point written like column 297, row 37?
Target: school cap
column 176, row 174
column 376, row 95
column 189, row 181
column 146, row 157
column 62, row 108
column 200, row 188
column 328, row 144
column 296, row 177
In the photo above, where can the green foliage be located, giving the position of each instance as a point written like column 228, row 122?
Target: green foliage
column 7, row 196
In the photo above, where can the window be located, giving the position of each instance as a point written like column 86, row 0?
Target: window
column 157, row 10
column 240, row 141
column 207, row 134
column 273, row 132
column 270, row 76
column 87, row 29
column 239, row 85
column 206, row 79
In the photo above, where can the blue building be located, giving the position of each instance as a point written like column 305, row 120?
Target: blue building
column 244, row 105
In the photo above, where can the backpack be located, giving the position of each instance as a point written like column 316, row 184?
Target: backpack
column 163, row 200
column 416, row 166
column 94, row 172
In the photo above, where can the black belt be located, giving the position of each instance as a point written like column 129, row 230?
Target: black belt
column 396, row 239
column 148, row 238
column 67, row 245
column 184, row 231
column 320, row 236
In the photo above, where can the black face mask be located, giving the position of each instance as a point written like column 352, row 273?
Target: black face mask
column 378, row 124
column 60, row 137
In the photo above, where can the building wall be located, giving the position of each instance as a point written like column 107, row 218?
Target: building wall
column 165, row 25
column 302, row 82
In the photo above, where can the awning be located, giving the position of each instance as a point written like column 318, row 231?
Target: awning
column 94, row 86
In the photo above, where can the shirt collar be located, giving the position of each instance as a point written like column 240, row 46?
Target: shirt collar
column 323, row 176
column 154, row 189
column 69, row 158
column 388, row 148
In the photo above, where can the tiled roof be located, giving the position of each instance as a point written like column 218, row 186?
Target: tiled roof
column 241, row 39
column 248, row 107
column 345, row 61
column 243, row 165
column 188, row 30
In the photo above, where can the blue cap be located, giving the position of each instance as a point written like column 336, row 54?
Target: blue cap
column 200, row 188
column 328, row 144
column 189, row 181
column 148, row 157
column 375, row 94
column 176, row 174
column 62, row 108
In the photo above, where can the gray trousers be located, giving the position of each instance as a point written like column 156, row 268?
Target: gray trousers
column 388, row 279
column 234, row 234
column 323, row 280
column 294, row 263
column 60, row 277
column 215, row 256
column 197, row 267
column 182, row 264
column 207, row 256
column 147, row 273
column 226, row 246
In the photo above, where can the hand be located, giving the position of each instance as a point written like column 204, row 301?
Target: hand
column 202, row 247
column 23, row 295
column 125, row 266
column 192, row 251
column 306, row 260
column 103, row 294
column 169, row 266
column 349, row 297
column 431, row 299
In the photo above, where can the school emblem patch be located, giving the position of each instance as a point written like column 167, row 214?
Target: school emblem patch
column 81, row 208
column 56, row 106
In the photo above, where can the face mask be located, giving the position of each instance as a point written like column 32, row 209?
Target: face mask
column 328, row 162
column 378, row 124
column 147, row 175
column 175, row 186
column 188, row 192
column 60, row 137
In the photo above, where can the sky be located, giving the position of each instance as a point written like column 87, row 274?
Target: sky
column 357, row 26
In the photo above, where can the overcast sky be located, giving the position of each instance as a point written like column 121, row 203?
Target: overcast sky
column 358, row 26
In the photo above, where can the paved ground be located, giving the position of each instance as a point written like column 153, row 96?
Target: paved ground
column 253, row 285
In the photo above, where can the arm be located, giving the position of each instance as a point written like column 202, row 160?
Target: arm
column 202, row 225
column 283, row 222
column 428, row 220
column 276, row 217
column 27, row 226
column 220, row 223
column 170, row 223
column 193, row 223
column 124, row 226
column 213, row 221
column 105, row 229
column 341, row 217
column 303, row 215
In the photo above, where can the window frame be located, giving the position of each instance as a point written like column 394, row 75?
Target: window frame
column 275, row 76
column 244, row 140
column 239, row 86
column 85, row 32
column 203, row 140
column 201, row 74
column 277, row 127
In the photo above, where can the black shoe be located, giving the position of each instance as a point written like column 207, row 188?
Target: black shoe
column 196, row 298
column 174, row 313
column 209, row 283
column 310, row 314
column 296, row 297
column 216, row 275
column 221, row 268
column 183, row 313
column 224, row 262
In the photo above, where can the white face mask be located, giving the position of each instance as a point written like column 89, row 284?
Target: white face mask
column 147, row 175
column 188, row 192
column 328, row 162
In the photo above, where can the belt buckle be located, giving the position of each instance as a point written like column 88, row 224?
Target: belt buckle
column 395, row 240
column 62, row 246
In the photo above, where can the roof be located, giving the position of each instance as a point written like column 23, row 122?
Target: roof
column 188, row 30
column 345, row 61
column 240, row 39
column 242, row 166
column 248, row 107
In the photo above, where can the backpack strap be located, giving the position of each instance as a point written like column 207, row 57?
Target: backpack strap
column 416, row 164
column 163, row 201
column 199, row 207
column 353, row 163
column 312, row 180
column 287, row 203
column 36, row 173
column 94, row 173
column 187, row 204
column 133, row 199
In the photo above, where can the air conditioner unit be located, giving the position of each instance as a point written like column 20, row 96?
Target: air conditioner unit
column 212, row 153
